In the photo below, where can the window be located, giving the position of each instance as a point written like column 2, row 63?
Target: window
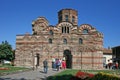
column 65, row 41
column 62, row 29
column 65, row 29
column 73, row 19
column 50, row 41
column 51, row 32
column 80, row 41
column 85, row 31
column 66, row 17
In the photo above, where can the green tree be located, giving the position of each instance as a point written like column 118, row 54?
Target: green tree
column 6, row 52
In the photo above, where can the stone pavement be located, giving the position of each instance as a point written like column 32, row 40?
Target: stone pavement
column 30, row 75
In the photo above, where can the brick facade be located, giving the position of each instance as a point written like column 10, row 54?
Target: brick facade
column 82, row 45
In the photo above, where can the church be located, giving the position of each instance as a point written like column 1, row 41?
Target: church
column 81, row 45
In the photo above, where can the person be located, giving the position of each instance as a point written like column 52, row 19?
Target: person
column 63, row 64
column 116, row 65
column 57, row 64
column 60, row 63
column 109, row 64
column 45, row 64
column 53, row 63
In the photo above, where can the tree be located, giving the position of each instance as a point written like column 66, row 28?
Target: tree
column 6, row 52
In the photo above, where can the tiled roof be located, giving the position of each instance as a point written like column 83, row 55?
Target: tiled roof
column 107, row 51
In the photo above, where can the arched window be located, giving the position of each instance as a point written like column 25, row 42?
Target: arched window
column 80, row 41
column 65, row 41
column 63, row 30
column 67, row 29
column 66, row 17
column 73, row 19
column 51, row 32
column 85, row 31
column 50, row 40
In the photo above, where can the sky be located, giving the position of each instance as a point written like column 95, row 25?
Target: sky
column 16, row 17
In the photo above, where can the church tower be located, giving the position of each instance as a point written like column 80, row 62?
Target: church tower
column 68, row 15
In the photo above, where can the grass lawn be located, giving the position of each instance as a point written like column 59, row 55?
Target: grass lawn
column 6, row 69
column 66, row 74
column 73, row 71
column 114, row 72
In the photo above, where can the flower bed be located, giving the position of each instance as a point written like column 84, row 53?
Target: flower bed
column 2, row 68
column 82, row 76
column 105, row 76
column 85, row 75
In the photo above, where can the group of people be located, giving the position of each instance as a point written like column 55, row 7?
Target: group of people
column 112, row 65
column 57, row 64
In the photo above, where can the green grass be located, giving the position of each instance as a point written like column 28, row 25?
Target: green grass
column 115, row 72
column 67, row 74
column 11, row 69
column 73, row 72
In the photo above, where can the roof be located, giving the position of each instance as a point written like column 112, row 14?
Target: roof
column 116, row 47
column 107, row 51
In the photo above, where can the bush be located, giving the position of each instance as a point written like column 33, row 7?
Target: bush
column 104, row 76
column 61, row 77
column 7, row 64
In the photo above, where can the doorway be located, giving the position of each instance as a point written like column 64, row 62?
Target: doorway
column 68, row 57
column 37, row 59
column 36, row 62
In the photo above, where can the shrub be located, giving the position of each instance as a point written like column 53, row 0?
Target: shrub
column 104, row 76
column 61, row 77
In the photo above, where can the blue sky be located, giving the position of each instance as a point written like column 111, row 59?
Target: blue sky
column 16, row 16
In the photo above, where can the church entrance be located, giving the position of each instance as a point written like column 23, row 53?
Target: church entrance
column 68, row 58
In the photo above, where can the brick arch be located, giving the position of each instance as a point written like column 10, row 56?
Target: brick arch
column 41, row 20
column 86, row 26
column 64, row 24
column 66, row 37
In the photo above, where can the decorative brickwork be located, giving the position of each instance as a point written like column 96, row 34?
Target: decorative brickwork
column 83, row 44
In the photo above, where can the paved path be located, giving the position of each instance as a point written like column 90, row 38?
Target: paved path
column 29, row 75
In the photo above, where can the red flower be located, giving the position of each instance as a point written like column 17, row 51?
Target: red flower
column 83, row 75
column 79, row 74
column 91, row 75
column 3, row 68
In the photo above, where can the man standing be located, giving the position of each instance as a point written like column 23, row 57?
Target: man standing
column 57, row 64
column 45, row 64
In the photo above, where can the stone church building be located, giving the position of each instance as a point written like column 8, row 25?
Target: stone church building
column 82, row 46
